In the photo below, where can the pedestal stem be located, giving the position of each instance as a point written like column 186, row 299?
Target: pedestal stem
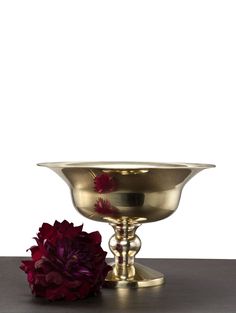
column 124, row 244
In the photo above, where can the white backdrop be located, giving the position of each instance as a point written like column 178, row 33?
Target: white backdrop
column 119, row 80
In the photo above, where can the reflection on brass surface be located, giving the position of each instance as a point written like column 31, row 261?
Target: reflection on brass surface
column 126, row 194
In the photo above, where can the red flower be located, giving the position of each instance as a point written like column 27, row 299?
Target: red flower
column 67, row 263
column 104, row 207
column 104, row 183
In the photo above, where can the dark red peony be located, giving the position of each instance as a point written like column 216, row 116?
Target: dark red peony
column 67, row 263
column 104, row 183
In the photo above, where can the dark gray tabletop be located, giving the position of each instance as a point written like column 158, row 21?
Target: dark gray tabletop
column 191, row 286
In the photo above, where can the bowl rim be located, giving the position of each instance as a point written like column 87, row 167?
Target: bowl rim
column 126, row 165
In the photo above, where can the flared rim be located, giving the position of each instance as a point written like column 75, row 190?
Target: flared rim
column 117, row 165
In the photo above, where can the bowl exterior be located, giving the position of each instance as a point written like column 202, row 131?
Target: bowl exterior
column 145, row 195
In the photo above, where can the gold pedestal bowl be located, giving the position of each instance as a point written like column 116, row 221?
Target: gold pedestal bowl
column 125, row 195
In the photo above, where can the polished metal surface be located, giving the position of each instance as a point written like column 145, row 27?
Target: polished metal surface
column 126, row 194
column 145, row 191
column 144, row 277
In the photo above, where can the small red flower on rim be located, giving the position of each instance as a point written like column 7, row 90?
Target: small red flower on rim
column 104, row 183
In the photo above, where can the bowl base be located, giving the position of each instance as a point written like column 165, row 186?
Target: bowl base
column 144, row 277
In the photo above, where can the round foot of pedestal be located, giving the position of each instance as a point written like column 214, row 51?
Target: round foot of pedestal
column 144, row 277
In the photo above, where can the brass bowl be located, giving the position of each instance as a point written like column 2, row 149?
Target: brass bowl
column 126, row 194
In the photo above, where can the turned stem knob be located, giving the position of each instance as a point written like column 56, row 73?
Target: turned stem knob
column 124, row 244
